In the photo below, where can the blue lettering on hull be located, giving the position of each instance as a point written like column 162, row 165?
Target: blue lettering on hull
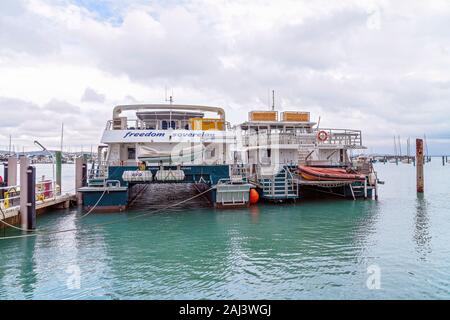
column 144, row 134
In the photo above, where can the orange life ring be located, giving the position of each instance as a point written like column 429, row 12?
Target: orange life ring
column 322, row 136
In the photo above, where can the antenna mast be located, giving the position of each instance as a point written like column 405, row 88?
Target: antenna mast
column 170, row 100
column 273, row 100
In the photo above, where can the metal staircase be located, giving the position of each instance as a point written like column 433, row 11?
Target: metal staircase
column 303, row 153
column 279, row 187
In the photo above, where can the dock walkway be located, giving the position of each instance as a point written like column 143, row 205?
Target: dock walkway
column 12, row 215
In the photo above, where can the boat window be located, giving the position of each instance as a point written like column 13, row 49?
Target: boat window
column 131, row 153
column 184, row 124
column 168, row 124
column 150, row 125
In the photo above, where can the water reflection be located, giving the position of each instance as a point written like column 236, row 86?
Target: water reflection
column 254, row 213
column 27, row 274
column 422, row 235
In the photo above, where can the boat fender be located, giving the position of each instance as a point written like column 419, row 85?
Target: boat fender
column 254, row 196
column 322, row 135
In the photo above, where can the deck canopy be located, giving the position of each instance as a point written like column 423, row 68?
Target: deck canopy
column 138, row 107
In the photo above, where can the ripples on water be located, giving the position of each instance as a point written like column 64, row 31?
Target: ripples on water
column 311, row 249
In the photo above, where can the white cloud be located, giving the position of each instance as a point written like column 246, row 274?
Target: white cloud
column 380, row 66
column 90, row 95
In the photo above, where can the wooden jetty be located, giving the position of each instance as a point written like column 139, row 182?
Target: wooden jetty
column 21, row 202
column 12, row 215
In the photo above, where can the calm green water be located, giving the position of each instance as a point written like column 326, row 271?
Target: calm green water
column 313, row 249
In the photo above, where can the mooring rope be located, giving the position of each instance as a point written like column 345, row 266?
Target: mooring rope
column 109, row 222
column 10, row 225
column 18, row 228
column 95, row 205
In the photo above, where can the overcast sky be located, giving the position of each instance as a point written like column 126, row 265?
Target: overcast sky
column 379, row 66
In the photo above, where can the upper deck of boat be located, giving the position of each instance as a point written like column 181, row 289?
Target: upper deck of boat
column 275, row 125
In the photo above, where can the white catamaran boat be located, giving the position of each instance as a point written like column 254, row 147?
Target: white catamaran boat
column 158, row 143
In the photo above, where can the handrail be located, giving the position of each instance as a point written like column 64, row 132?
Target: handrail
column 111, row 183
column 9, row 187
column 136, row 124
column 346, row 137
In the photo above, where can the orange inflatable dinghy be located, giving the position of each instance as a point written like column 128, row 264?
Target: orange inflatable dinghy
column 317, row 174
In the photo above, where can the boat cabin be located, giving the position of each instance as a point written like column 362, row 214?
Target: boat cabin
column 167, row 135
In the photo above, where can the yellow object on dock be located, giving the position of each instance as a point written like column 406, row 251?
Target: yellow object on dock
column 295, row 116
column 263, row 116
column 6, row 200
column 207, row 124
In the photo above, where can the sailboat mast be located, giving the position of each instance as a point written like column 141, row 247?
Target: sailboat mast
column 395, row 147
column 62, row 136
column 426, row 146
column 409, row 147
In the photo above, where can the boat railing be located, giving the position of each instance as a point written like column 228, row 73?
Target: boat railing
column 112, row 183
column 45, row 189
column 97, row 173
column 9, row 196
column 344, row 137
column 136, row 124
column 290, row 179
column 278, row 138
column 240, row 170
column 281, row 184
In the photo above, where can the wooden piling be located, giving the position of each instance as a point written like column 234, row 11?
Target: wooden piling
column 12, row 171
column 85, row 174
column 79, row 177
column 24, row 164
column 376, row 189
column 443, row 160
column 419, row 166
column 365, row 189
column 31, row 196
